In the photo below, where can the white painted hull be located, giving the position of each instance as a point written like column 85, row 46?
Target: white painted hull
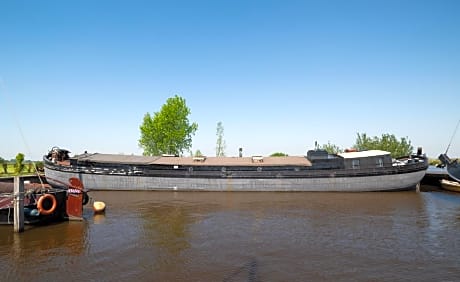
column 389, row 182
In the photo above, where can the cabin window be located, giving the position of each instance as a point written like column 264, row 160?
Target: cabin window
column 379, row 162
column 355, row 164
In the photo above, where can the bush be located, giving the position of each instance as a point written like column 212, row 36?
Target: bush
column 19, row 165
column 388, row 142
column 4, row 165
column 40, row 166
column 278, row 154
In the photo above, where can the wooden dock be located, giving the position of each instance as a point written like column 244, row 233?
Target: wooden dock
column 434, row 175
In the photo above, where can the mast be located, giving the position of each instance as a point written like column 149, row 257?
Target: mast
column 452, row 138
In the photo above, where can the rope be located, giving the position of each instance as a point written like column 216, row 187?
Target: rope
column 8, row 195
column 453, row 135
column 16, row 120
column 9, row 214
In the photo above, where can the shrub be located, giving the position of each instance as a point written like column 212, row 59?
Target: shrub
column 19, row 165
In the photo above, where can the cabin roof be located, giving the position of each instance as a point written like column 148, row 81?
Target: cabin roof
column 244, row 161
column 112, row 158
column 364, row 154
column 209, row 161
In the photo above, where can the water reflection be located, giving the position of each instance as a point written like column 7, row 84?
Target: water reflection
column 67, row 238
column 99, row 218
column 162, row 236
column 167, row 224
column 442, row 213
column 40, row 248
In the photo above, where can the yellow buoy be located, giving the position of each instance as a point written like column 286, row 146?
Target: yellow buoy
column 99, row 207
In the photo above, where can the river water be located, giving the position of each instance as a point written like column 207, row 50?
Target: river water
column 230, row 236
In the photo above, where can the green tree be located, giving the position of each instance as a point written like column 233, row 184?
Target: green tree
column 331, row 148
column 220, row 144
column 198, row 154
column 4, row 165
column 387, row 142
column 40, row 166
column 435, row 162
column 169, row 130
column 278, row 154
column 19, row 164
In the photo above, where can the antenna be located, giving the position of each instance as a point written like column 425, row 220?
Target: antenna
column 453, row 135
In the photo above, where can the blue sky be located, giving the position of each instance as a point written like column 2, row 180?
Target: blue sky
column 279, row 75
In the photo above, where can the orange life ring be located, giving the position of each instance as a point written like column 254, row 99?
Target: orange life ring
column 44, row 211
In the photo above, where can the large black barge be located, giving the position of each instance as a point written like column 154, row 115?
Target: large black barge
column 318, row 171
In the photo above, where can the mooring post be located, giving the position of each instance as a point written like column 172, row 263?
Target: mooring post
column 18, row 204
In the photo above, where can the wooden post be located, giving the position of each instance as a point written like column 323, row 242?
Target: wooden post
column 18, row 204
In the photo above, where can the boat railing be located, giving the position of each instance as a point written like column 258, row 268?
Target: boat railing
column 288, row 172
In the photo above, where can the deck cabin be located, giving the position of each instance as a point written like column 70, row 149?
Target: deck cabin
column 367, row 159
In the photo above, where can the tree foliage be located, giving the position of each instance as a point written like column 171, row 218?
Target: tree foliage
column 198, row 154
column 4, row 165
column 278, row 154
column 19, row 165
column 387, row 142
column 220, row 143
column 331, row 148
column 169, row 130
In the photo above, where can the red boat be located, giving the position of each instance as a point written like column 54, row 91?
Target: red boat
column 44, row 203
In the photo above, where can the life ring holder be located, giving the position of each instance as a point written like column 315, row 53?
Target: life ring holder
column 44, row 211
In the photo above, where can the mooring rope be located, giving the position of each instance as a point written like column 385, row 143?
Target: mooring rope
column 453, row 135
column 16, row 120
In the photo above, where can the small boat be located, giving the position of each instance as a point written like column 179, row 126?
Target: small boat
column 453, row 186
column 363, row 171
column 44, row 203
column 452, row 166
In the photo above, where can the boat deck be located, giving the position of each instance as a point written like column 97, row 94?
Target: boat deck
column 6, row 192
column 196, row 161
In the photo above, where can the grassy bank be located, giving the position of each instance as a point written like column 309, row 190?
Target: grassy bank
column 29, row 168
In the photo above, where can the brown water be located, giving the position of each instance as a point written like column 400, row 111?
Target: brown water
column 207, row 236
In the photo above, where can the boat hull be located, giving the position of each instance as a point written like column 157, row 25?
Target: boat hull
column 44, row 203
column 31, row 215
column 450, row 185
column 366, row 183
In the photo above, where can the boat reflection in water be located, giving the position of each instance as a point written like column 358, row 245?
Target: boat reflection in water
column 247, row 236
column 43, row 244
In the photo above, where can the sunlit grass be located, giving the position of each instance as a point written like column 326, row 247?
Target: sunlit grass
column 29, row 169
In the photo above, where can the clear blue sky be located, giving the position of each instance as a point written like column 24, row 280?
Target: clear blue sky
column 279, row 75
